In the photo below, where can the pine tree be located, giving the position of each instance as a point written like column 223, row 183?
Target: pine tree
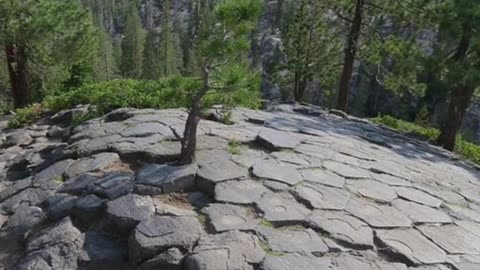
column 170, row 53
column 132, row 45
column 104, row 64
column 223, row 67
column 311, row 48
column 151, row 58
column 51, row 33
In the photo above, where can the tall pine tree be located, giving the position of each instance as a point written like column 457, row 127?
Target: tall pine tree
column 132, row 45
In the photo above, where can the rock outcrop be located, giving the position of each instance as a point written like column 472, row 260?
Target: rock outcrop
column 296, row 187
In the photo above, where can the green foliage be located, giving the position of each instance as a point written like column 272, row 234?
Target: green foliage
column 233, row 148
column 26, row 116
column 312, row 50
column 151, row 58
column 161, row 94
column 132, row 45
column 466, row 149
column 170, row 53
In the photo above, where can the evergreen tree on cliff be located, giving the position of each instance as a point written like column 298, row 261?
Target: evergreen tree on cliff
column 223, row 62
column 132, row 45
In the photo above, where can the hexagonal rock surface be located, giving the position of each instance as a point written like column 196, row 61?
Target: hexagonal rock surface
column 412, row 245
column 159, row 233
column 418, row 196
column 454, row 239
column 296, row 261
column 91, row 164
column 282, row 209
column 210, row 174
column 419, row 213
column 379, row 216
column 166, row 178
column 225, row 217
column 239, row 192
column 390, row 179
column 295, row 240
column 347, row 171
column 276, row 140
column 126, row 212
column 323, row 177
column 463, row 262
column 229, row 250
column 372, row 189
column 343, row 227
column 100, row 251
column 112, row 185
column 272, row 170
column 322, row 197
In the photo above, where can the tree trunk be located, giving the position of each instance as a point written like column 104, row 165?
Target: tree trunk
column 18, row 73
column 349, row 59
column 460, row 96
column 189, row 140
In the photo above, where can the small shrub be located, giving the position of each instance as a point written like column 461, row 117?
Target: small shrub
column 26, row 116
column 233, row 148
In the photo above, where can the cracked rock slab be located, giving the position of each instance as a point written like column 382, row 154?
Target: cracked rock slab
column 276, row 140
column 91, row 164
column 322, row 197
column 378, row 216
column 229, row 250
column 305, row 241
column 239, row 192
column 167, row 178
column 296, row 261
column 282, row 209
column 343, row 227
column 372, row 189
column 454, row 239
column 412, row 245
column 347, row 171
column 225, row 217
column 210, row 174
column 159, row 233
column 272, row 170
column 323, row 177
column 126, row 212
column 419, row 213
column 418, row 196
column 112, row 185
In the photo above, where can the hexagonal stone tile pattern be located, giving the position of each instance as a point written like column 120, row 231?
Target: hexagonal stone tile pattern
column 301, row 188
column 411, row 244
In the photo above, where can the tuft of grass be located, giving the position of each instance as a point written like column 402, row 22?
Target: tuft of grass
column 268, row 250
column 266, row 223
column 464, row 148
column 234, row 148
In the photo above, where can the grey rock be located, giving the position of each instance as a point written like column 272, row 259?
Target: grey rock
column 272, row 170
column 78, row 184
column 56, row 247
column 323, row 177
column 296, row 261
column 100, row 252
column 343, row 227
column 15, row 188
column 210, row 174
column 418, row 196
column 58, row 206
column 66, row 117
column 322, row 197
column 391, row 180
column 27, row 197
column 421, row 213
column 169, row 260
column 459, row 240
column 304, row 241
column 364, row 262
column 373, row 190
column 472, row 227
column 292, row 158
column 282, row 209
column 379, row 216
column 57, row 132
column 230, row 250
column 159, row 233
column 462, row 262
column 54, row 171
column 112, row 185
column 276, row 140
column 20, row 137
column 88, row 208
column 167, row 178
column 25, row 219
column 126, row 212
column 347, row 171
column 225, row 217
column 148, row 129
column 412, row 245
column 94, row 163
column 239, row 192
